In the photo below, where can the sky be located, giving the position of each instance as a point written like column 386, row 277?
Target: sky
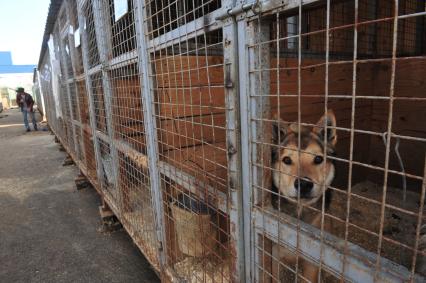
column 22, row 25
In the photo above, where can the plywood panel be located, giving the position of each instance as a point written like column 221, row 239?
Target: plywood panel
column 189, row 71
column 191, row 131
column 190, row 101
column 205, row 162
column 409, row 117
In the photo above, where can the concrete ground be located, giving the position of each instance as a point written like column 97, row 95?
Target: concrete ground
column 49, row 231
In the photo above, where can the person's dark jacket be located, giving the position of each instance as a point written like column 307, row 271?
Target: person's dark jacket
column 28, row 99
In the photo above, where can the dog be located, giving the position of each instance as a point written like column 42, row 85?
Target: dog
column 300, row 178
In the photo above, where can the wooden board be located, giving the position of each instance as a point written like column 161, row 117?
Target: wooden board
column 408, row 118
column 189, row 71
column 207, row 163
column 186, row 132
column 127, row 110
column 189, row 101
column 83, row 102
column 89, row 153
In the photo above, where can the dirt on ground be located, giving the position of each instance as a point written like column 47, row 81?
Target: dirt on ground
column 49, row 231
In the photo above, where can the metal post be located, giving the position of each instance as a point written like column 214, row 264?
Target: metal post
column 103, row 37
column 65, row 80
column 150, row 126
column 245, row 146
column 258, row 57
column 85, row 54
column 235, row 191
column 74, row 60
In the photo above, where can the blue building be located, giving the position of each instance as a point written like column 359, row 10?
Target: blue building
column 7, row 67
column 12, row 76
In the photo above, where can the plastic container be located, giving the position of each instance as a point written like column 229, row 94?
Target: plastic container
column 195, row 234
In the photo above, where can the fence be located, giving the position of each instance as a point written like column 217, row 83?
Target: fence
column 249, row 141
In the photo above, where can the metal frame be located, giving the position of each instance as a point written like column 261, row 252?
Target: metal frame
column 235, row 201
column 64, row 34
column 102, row 28
column 245, row 49
column 152, row 145
column 89, row 91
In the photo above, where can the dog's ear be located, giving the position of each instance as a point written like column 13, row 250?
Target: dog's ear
column 328, row 120
column 279, row 130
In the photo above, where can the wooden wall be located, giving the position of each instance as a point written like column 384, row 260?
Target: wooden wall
column 409, row 118
column 127, row 110
column 191, row 119
column 191, row 115
column 373, row 79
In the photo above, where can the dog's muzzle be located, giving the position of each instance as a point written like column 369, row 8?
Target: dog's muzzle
column 304, row 186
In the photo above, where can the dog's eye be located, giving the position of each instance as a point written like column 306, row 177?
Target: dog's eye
column 287, row 160
column 318, row 159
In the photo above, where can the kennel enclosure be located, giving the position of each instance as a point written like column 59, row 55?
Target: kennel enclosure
column 168, row 108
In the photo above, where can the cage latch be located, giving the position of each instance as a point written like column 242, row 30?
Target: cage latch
column 160, row 243
column 236, row 11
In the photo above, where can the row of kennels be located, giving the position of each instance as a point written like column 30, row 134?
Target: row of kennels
column 252, row 140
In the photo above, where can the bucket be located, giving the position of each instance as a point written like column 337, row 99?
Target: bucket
column 195, row 234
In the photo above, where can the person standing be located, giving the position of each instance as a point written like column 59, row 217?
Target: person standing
column 26, row 103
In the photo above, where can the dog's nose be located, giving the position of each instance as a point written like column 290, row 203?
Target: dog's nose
column 304, row 185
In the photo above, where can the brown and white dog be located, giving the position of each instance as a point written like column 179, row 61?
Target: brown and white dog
column 302, row 174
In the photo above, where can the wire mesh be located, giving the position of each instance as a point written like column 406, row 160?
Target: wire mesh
column 337, row 81
column 167, row 15
column 127, row 110
column 122, row 29
column 89, row 28
column 75, row 43
column 335, row 107
column 129, row 133
column 99, row 102
column 68, row 62
column 189, row 101
column 74, row 101
column 89, row 154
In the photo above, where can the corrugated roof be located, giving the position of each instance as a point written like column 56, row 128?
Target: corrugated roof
column 54, row 7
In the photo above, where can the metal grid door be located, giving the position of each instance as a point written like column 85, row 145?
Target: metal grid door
column 336, row 165
column 193, row 117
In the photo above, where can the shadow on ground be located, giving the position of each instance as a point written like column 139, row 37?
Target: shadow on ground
column 49, row 231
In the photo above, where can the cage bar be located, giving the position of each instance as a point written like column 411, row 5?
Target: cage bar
column 200, row 123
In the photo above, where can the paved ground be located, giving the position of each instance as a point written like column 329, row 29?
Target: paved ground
column 49, row 232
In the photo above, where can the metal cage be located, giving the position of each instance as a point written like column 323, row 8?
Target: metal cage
column 249, row 141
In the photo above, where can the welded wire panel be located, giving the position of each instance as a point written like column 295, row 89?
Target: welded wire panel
column 74, row 101
column 190, row 115
column 89, row 29
column 46, row 78
column 127, row 110
column 89, row 153
column 86, row 140
column 99, row 102
column 67, row 55
column 164, row 16
column 134, row 186
column 79, row 143
column 137, row 210
column 75, row 43
column 122, row 27
column 336, row 99
column 83, row 103
column 65, row 120
column 107, row 177
column 62, row 19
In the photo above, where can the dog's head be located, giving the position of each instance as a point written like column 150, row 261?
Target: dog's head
column 304, row 172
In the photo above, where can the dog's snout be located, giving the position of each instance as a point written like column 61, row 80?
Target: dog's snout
column 304, row 185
